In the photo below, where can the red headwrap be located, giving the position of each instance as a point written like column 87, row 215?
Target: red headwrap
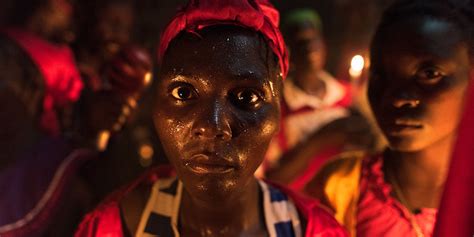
column 61, row 77
column 258, row 15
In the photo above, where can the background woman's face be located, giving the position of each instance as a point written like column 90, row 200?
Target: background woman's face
column 217, row 110
column 114, row 28
column 420, row 72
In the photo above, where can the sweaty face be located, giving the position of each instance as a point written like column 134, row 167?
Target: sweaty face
column 420, row 71
column 217, row 110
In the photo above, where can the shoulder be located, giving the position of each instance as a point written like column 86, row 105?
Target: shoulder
column 319, row 219
column 11, row 54
column 106, row 219
column 20, row 76
column 103, row 221
column 337, row 185
column 322, row 223
column 344, row 167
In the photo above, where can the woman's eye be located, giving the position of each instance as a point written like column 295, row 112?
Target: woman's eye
column 247, row 98
column 429, row 75
column 183, row 93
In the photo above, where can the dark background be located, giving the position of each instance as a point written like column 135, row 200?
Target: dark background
column 348, row 26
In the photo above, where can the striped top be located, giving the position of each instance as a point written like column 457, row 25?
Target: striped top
column 160, row 217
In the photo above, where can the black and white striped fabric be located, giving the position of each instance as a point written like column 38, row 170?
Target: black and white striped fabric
column 160, row 217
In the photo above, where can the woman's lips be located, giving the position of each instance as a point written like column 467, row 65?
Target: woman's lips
column 403, row 127
column 209, row 164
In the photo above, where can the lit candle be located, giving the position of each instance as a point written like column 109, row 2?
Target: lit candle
column 357, row 66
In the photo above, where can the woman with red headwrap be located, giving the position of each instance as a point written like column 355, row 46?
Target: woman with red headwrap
column 219, row 91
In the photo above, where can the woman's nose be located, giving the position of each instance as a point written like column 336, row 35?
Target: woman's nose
column 405, row 100
column 213, row 123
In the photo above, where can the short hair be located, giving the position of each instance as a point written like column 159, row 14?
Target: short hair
column 299, row 19
column 457, row 12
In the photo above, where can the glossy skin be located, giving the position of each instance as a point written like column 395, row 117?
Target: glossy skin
column 418, row 81
column 218, row 110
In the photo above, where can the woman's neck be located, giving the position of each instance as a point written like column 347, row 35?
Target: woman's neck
column 230, row 217
column 421, row 174
column 310, row 82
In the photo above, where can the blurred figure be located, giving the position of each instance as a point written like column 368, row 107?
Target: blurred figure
column 102, row 29
column 104, row 33
column 44, row 138
column 317, row 120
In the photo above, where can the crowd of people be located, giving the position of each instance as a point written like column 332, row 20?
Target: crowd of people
column 259, row 138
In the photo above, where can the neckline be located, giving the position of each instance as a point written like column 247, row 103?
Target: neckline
column 271, row 200
column 383, row 189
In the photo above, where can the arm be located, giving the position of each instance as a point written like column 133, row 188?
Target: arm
column 352, row 132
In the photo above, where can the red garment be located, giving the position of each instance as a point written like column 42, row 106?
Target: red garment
column 58, row 68
column 318, row 159
column 106, row 221
column 380, row 214
column 456, row 216
column 258, row 15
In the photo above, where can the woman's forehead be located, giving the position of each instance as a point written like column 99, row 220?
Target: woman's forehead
column 230, row 38
column 226, row 52
column 421, row 36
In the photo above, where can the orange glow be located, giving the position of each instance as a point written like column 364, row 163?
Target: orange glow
column 357, row 66
column 146, row 152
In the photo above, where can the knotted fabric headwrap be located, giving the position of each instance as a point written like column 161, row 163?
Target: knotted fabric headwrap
column 258, row 15
column 58, row 68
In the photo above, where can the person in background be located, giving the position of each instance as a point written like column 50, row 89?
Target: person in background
column 41, row 148
column 417, row 86
column 104, row 31
column 317, row 119
column 219, row 103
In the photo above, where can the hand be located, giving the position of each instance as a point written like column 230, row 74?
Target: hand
column 105, row 110
column 351, row 132
column 129, row 72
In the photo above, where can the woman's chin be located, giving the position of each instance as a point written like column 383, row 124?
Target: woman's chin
column 211, row 189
